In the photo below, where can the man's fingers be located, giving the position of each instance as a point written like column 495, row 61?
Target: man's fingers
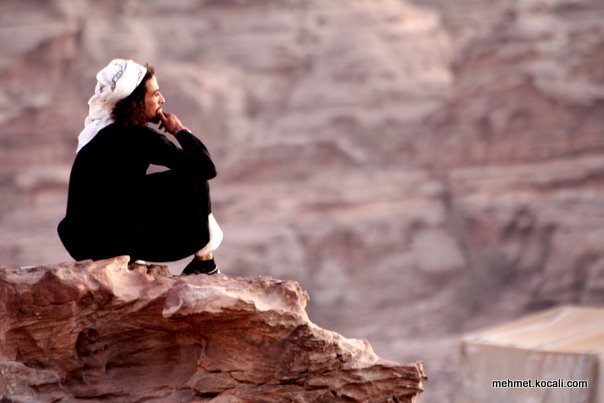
column 169, row 121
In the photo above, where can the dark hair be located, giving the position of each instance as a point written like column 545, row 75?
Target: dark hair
column 131, row 110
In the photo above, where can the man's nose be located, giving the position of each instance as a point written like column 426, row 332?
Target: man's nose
column 162, row 99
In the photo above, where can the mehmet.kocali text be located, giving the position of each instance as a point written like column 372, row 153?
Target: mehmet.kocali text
column 540, row 383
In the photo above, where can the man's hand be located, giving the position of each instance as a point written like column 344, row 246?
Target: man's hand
column 170, row 122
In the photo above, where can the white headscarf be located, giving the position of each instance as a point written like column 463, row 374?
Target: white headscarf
column 114, row 83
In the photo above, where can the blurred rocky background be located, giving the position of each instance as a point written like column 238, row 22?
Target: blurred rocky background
column 422, row 168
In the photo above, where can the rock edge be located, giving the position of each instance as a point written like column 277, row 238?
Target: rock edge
column 106, row 331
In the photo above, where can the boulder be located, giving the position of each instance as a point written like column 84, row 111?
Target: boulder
column 105, row 330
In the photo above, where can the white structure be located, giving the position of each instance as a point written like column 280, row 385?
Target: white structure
column 541, row 358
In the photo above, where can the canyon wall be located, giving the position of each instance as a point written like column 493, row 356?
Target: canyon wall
column 422, row 168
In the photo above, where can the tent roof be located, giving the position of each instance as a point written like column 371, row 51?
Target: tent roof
column 565, row 329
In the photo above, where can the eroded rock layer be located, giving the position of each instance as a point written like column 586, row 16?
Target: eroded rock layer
column 103, row 330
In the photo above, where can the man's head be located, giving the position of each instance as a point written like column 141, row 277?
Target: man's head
column 153, row 100
column 142, row 105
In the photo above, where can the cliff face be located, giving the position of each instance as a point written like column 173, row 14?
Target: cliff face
column 529, row 87
column 99, row 330
column 433, row 166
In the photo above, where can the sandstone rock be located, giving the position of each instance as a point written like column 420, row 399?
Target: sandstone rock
column 346, row 136
column 104, row 331
column 526, row 87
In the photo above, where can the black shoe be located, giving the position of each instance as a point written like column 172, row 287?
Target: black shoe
column 200, row 267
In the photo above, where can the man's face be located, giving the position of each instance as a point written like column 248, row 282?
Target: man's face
column 153, row 100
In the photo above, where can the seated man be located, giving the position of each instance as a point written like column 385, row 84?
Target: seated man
column 114, row 207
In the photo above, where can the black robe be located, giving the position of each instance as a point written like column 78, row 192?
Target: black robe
column 115, row 208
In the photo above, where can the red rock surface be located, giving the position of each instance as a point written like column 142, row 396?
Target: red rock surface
column 99, row 330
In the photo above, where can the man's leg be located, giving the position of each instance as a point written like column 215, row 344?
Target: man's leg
column 202, row 263
column 174, row 217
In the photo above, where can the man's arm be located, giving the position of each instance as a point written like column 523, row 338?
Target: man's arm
column 193, row 155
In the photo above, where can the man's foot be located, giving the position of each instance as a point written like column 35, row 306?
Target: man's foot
column 197, row 266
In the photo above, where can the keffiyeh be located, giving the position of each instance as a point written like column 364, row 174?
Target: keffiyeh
column 114, row 83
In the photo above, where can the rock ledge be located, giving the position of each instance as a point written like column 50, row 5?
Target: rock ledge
column 106, row 331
